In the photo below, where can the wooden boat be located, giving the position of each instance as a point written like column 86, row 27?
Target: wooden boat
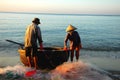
column 49, row 58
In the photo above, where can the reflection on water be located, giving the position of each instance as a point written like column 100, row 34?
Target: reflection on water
column 66, row 71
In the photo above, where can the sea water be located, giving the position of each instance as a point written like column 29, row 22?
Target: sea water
column 100, row 36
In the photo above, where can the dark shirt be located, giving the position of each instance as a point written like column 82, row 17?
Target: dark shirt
column 74, row 39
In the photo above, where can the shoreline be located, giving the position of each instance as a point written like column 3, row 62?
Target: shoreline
column 92, row 58
column 102, row 63
column 108, row 60
column 95, row 63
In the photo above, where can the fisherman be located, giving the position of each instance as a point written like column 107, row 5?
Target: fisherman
column 75, row 41
column 32, row 34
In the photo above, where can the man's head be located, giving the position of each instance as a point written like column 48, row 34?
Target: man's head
column 36, row 20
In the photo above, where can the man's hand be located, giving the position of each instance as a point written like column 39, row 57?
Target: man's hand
column 41, row 46
column 65, row 49
column 80, row 46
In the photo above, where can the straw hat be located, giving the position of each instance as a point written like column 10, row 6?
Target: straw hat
column 36, row 20
column 70, row 28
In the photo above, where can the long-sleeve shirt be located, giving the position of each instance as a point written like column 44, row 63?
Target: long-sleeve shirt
column 33, row 33
column 74, row 39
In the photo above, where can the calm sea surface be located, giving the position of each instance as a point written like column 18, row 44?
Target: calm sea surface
column 99, row 33
column 100, row 37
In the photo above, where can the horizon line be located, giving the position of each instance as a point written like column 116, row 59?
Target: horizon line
column 60, row 13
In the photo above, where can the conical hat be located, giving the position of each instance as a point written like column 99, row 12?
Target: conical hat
column 70, row 28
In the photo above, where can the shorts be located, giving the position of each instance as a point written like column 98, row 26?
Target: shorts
column 31, row 51
column 75, row 48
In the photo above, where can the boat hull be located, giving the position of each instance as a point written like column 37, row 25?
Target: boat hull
column 50, row 58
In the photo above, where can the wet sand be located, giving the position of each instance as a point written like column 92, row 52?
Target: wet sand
column 104, row 63
column 110, row 65
column 108, row 60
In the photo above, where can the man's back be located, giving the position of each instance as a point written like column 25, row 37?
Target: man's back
column 30, row 36
column 74, row 38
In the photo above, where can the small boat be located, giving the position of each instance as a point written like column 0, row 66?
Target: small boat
column 49, row 58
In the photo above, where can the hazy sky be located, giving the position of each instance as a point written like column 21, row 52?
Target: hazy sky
column 62, row 6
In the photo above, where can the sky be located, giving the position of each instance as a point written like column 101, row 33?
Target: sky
column 62, row 6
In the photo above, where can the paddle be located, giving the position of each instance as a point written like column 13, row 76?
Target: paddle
column 20, row 44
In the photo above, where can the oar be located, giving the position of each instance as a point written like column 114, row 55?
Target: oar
column 15, row 42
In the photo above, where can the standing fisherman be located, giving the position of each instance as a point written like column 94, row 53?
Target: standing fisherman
column 33, row 33
column 75, row 41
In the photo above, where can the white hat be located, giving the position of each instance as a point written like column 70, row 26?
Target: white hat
column 70, row 28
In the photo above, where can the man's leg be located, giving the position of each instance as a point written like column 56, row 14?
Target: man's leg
column 28, row 55
column 35, row 57
column 29, row 61
column 72, row 55
column 35, row 62
column 77, row 53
